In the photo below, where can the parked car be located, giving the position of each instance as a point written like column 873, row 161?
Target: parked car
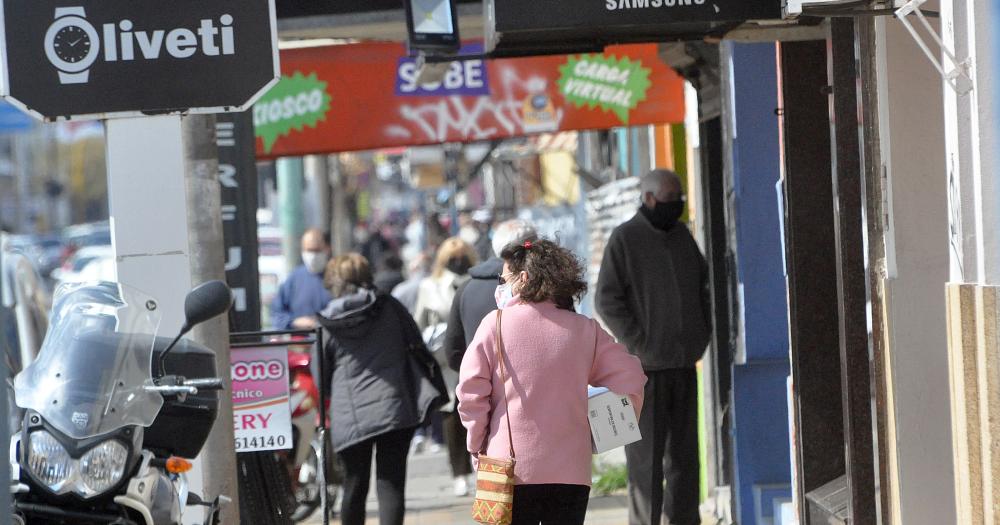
column 45, row 250
column 26, row 295
column 72, row 269
column 83, row 235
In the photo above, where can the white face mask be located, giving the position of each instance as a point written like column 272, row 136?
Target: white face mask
column 315, row 261
column 504, row 295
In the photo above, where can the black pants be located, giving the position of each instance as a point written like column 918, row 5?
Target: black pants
column 391, row 450
column 667, row 452
column 550, row 504
column 455, row 436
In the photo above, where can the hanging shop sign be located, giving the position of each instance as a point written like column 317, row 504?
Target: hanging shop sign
column 238, row 179
column 262, row 416
column 111, row 58
column 366, row 96
column 522, row 27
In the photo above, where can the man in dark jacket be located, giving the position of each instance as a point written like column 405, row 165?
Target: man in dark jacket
column 475, row 298
column 389, row 274
column 652, row 294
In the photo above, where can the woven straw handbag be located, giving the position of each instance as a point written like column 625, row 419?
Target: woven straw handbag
column 494, row 504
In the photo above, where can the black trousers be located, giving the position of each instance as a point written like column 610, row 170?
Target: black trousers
column 390, row 450
column 667, row 452
column 550, row 504
column 455, row 436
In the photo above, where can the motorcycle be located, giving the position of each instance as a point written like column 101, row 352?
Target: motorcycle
column 111, row 411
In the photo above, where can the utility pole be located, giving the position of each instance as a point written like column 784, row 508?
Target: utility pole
column 207, row 260
column 340, row 228
column 290, row 175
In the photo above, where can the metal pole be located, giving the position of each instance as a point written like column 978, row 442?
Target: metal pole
column 290, row 197
column 321, row 459
column 5, row 509
column 208, row 262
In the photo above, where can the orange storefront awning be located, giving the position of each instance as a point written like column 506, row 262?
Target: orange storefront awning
column 364, row 96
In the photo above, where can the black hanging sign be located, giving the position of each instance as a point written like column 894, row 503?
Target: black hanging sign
column 521, row 27
column 109, row 58
column 238, row 178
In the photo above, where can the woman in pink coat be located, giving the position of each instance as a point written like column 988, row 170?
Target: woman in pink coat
column 551, row 354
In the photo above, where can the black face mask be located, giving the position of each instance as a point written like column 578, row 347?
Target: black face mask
column 665, row 215
column 459, row 265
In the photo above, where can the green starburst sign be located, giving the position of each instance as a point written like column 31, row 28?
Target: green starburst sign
column 613, row 84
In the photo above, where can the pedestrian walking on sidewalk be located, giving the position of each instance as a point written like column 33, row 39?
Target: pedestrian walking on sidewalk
column 652, row 293
column 551, row 354
column 451, row 268
column 473, row 301
column 377, row 396
column 303, row 294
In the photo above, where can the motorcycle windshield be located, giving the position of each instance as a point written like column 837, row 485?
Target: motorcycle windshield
column 90, row 375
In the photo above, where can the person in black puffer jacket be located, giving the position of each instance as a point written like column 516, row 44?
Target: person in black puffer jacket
column 474, row 299
column 384, row 383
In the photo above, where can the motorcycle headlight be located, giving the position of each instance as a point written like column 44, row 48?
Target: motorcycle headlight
column 48, row 460
column 102, row 467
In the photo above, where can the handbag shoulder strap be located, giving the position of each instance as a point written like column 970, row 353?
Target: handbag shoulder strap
column 503, row 379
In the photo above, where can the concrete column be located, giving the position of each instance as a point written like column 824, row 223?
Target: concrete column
column 318, row 179
column 340, row 220
column 208, row 261
column 915, row 243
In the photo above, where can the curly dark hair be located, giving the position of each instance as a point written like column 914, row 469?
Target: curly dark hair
column 554, row 273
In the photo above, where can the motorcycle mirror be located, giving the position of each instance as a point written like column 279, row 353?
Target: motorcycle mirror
column 204, row 302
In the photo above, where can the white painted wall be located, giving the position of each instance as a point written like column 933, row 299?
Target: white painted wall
column 913, row 150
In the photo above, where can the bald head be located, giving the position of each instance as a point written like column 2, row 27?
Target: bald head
column 313, row 241
column 660, row 185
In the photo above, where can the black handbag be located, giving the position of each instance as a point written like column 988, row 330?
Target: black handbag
column 421, row 360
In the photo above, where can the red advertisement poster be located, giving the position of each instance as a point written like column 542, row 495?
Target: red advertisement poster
column 365, row 96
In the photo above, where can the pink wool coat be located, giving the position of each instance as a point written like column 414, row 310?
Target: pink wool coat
column 551, row 357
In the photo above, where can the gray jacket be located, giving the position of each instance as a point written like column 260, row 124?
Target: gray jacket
column 652, row 293
column 379, row 366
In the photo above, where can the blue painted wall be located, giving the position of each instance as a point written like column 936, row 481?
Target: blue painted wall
column 759, row 400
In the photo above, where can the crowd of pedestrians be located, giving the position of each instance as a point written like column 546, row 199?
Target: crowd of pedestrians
column 474, row 343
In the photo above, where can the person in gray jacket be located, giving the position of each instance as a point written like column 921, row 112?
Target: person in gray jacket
column 652, row 294
column 384, row 383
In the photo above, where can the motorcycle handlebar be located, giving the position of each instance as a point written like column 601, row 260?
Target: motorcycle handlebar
column 213, row 383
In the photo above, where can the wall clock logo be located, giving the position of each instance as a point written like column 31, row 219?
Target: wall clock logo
column 72, row 45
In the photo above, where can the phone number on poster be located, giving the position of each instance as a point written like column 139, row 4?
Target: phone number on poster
column 257, row 443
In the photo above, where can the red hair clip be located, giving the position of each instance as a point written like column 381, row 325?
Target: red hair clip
column 527, row 245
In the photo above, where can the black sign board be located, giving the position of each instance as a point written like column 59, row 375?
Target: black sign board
column 523, row 27
column 238, row 178
column 105, row 58
column 304, row 8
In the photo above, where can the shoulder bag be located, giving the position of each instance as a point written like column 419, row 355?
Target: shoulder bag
column 494, row 504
